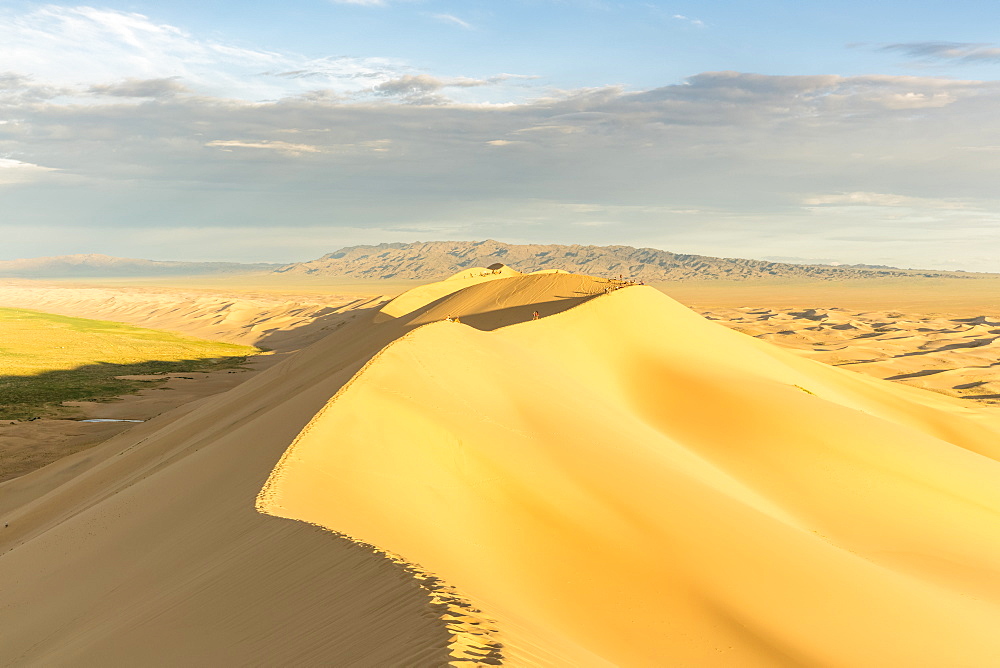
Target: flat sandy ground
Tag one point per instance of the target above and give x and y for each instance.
(29, 445)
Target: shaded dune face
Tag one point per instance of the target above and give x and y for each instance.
(147, 550)
(626, 483)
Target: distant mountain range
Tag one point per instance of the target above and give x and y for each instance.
(438, 259)
(101, 266)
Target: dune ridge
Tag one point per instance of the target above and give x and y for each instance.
(627, 483)
(234, 317)
(181, 568)
(422, 295)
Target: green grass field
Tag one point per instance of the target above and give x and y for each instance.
(46, 359)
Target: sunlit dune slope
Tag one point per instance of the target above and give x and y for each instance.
(628, 484)
(493, 303)
(420, 296)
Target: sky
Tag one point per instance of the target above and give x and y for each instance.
(850, 132)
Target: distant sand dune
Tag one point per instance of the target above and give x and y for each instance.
(629, 484)
(272, 320)
(944, 353)
(422, 295)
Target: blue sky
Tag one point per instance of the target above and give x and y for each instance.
(848, 131)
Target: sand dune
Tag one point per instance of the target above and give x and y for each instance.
(147, 550)
(179, 566)
(951, 354)
(423, 295)
(628, 484)
(621, 482)
(279, 321)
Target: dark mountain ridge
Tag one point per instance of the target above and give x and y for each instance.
(438, 259)
(434, 260)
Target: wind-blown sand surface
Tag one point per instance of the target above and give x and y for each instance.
(953, 355)
(939, 335)
(29, 445)
(629, 484)
(621, 482)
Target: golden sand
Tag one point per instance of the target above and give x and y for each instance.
(629, 484)
(619, 483)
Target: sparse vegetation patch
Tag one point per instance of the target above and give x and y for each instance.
(46, 359)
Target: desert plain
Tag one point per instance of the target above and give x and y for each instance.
(424, 473)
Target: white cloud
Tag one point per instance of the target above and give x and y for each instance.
(956, 52)
(146, 88)
(911, 100)
(74, 45)
(269, 145)
(454, 20)
(427, 89)
(74, 49)
(378, 145)
(725, 163)
(74, 54)
(14, 171)
(551, 129)
(294, 150)
(884, 200)
(698, 23)
(410, 84)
